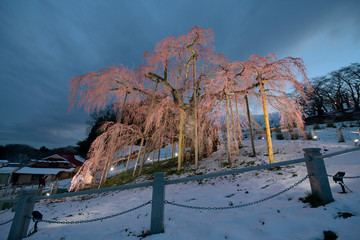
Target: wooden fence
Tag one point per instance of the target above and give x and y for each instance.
(339, 132)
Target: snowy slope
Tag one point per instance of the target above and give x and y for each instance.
(283, 217)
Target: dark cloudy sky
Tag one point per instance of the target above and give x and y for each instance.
(45, 43)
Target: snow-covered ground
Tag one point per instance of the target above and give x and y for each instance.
(282, 217)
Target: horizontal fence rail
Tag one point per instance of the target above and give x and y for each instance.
(334, 131)
(341, 152)
(93, 191)
(180, 180)
(235, 171)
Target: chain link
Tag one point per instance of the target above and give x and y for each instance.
(344, 176)
(92, 220)
(240, 205)
(6, 222)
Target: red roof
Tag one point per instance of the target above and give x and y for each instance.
(64, 156)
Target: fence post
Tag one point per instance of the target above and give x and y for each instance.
(313, 135)
(287, 135)
(55, 188)
(318, 177)
(51, 188)
(340, 135)
(157, 208)
(25, 207)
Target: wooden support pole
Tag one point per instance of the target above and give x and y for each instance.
(196, 140)
(180, 140)
(340, 135)
(228, 138)
(238, 120)
(267, 124)
(250, 126)
(152, 158)
(138, 156)
(183, 149)
(234, 127)
(128, 160)
(173, 149)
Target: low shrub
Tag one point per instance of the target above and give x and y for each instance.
(279, 136)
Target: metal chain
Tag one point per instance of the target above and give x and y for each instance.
(92, 220)
(240, 205)
(6, 222)
(344, 176)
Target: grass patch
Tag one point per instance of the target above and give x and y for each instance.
(224, 164)
(168, 166)
(313, 199)
(330, 235)
(274, 169)
(144, 234)
(279, 136)
(61, 190)
(344, 215)
(6, 206)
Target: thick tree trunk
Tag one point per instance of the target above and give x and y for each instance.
(153, 155)
(122, 108)
(128, 160)
(104, 173)
(159, 154)
(138, 157)
(183, 149)
(145, 130)
(145, 156)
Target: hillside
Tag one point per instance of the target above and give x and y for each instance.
(282, 217)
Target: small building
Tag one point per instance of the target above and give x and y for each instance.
(3, 163)
(55, 167)
(6, 174)
(31, 175)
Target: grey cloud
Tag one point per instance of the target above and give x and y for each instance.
(44, 44)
